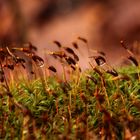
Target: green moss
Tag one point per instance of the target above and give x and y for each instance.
(58, 109)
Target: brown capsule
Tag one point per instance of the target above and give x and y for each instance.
(23, 65)
(38, 60)
(99, 60)
(32, 47)
(102, 53)
(20, 60)
(70, 60)
(32, 72)
(10, 66)
(112, 72)
(73, 67)
(76, 57)
(57, 43)
(98, 71)
(75, 45)
(134, 60)
(92, 79)
(52, 68)
(69, 50)
(83, 39)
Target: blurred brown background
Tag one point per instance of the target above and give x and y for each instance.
(103, 23)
